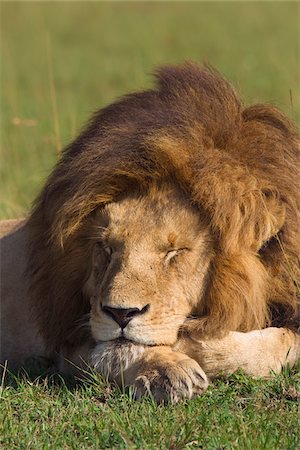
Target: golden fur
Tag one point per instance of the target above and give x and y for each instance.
(196, 199)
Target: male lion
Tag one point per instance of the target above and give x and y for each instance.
(164, 248)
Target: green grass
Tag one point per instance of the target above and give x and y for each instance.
(237, 413)
(62, 61)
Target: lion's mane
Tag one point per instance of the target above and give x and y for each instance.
(239, 165)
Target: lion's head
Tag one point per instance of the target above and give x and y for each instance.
(176, 209)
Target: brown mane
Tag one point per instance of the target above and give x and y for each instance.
(241, 166)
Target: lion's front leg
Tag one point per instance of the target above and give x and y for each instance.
(165, 374)
(258, 353)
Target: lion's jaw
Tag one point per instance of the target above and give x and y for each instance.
(153, 254)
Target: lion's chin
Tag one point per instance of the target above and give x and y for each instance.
(147, 337)
(123, 343)
(113, 358)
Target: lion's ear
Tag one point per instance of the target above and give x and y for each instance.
(259, 215)
(243, 212)
(271, 221)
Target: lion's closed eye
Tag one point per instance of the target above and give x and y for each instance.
(108, 250)
(101, 258)
(172, 254)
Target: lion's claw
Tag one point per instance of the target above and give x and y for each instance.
(171, 383)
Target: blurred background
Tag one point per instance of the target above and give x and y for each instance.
(60, 61)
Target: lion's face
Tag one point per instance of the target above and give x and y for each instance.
(149, 267)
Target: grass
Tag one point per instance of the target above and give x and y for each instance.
(235, 413)
(62, 61)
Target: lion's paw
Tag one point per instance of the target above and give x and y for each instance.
(171, 382)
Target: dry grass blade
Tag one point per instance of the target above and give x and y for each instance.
(3, 379)
(53, 97)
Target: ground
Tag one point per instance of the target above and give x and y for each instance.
(62, 62)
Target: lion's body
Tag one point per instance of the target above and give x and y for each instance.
(20, 338)
(182, 208)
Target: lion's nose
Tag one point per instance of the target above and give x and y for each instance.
(124, 315)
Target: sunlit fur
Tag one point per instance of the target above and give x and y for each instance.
(238, 168)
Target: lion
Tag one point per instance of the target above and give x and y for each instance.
(164, 247)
